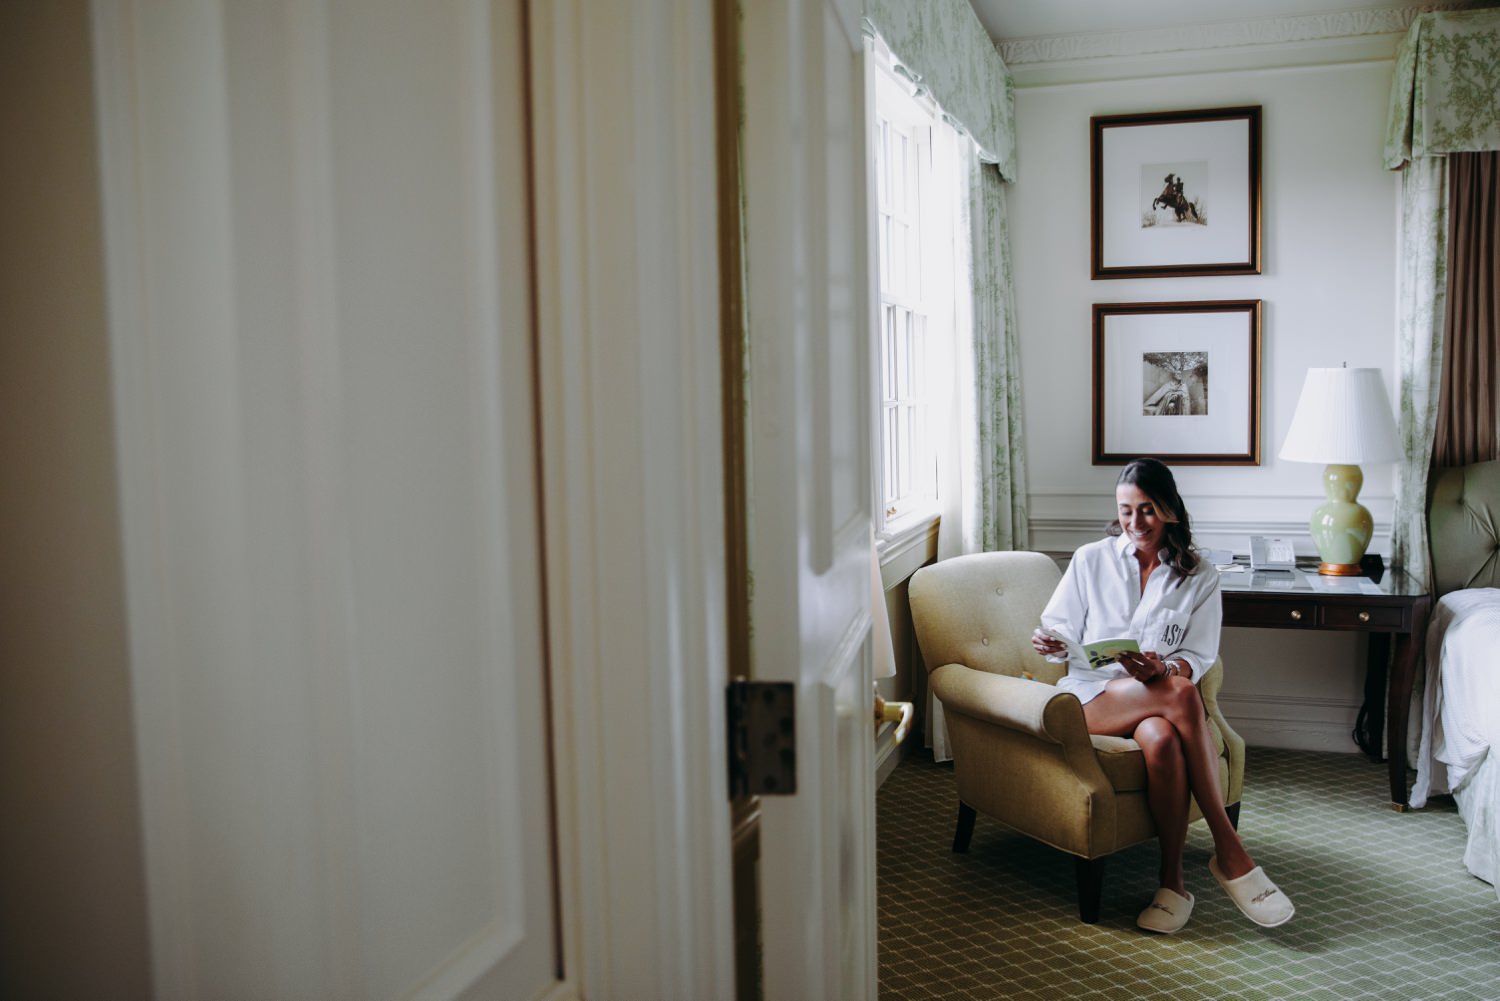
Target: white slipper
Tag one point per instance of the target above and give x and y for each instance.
(1167, 912)
(1255, 895)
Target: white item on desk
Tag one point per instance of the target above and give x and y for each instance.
(1271, 554)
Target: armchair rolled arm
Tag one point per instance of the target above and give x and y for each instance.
(1016, 703)
(1022, 754)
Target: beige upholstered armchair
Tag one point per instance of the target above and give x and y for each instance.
(1021, 751)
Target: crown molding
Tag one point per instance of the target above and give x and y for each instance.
(1218, 35)
(1061, 522)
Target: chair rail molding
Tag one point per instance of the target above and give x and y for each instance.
(1061, 522)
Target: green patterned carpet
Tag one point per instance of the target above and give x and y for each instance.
(1385, 908)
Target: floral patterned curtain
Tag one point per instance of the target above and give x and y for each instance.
(1446, 94)
(1445, 98)
(997, 513)
(1422, 287)
(945, 51)
(941, 46)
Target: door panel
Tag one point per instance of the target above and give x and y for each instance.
(316, 219)
(807, 304)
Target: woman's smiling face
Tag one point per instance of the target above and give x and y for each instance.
(1139, 518)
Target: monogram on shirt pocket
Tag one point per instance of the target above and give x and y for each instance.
(1171, 630)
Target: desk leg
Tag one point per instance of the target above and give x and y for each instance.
(1403, 673)
(1369, 728)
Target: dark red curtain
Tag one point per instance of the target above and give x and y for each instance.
(1467, 414)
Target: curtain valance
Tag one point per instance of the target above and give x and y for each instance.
(943, 48)
(1445, 97)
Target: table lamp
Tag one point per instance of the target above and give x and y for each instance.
(1343, 418)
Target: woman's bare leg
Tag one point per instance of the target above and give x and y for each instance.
(1166, 795)
(1125, 703)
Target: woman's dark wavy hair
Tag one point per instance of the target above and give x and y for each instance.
(1155, 481)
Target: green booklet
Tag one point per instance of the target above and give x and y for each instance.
(1099, 653)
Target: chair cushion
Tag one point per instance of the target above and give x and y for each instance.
(1124, 764)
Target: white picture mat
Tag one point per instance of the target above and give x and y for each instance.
(1224, 430)
(1224, 145)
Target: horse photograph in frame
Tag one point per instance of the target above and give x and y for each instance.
(1175, 193)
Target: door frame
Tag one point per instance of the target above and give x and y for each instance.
(626, 245)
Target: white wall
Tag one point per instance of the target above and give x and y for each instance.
(1328, 289)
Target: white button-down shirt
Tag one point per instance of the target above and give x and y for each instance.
(1100, 596)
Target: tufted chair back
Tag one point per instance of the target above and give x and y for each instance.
(979, 610)
(1463, 525)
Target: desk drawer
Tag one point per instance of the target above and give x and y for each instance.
(1277, 614)
(1363, 617)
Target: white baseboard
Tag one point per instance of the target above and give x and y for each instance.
(1292, 724)
(1296, 736)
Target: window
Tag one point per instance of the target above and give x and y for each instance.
(914, 215)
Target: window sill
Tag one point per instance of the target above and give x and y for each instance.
(905, 545)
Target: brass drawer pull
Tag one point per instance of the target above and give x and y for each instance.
(1364, 616)
(1296, 615)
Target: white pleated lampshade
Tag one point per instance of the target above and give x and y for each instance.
(1343, 416)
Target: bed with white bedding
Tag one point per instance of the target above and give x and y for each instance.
(1461, 720)
(1459, 750)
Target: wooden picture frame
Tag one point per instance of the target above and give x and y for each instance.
(1179, 381)
(1175, 193)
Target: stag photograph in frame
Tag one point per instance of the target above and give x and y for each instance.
(1177, 380)
(1175, 193)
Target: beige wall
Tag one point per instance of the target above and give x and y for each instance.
(72, 914)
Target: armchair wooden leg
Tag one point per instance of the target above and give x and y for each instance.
(1090, 872)
(1234, 815)
(965, 829)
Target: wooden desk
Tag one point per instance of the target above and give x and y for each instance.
(1392, 607)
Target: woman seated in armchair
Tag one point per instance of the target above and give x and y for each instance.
(1147, 581)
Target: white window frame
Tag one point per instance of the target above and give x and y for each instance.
(927, 296)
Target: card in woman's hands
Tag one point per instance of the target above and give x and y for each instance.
(1099, 653)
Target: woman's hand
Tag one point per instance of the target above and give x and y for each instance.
(1047, 645)
(1145, 666)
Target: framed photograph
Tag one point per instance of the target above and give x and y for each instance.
(1176, 193)
(1179, 381)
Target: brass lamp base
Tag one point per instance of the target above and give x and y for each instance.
(1341, 569)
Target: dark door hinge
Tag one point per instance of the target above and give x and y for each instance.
(762, 737)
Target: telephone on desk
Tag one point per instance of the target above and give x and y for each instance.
(1271, 554)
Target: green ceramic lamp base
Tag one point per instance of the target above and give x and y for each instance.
(1341, 526)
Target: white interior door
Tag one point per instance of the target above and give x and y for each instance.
(321, 333)
(808, 305)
